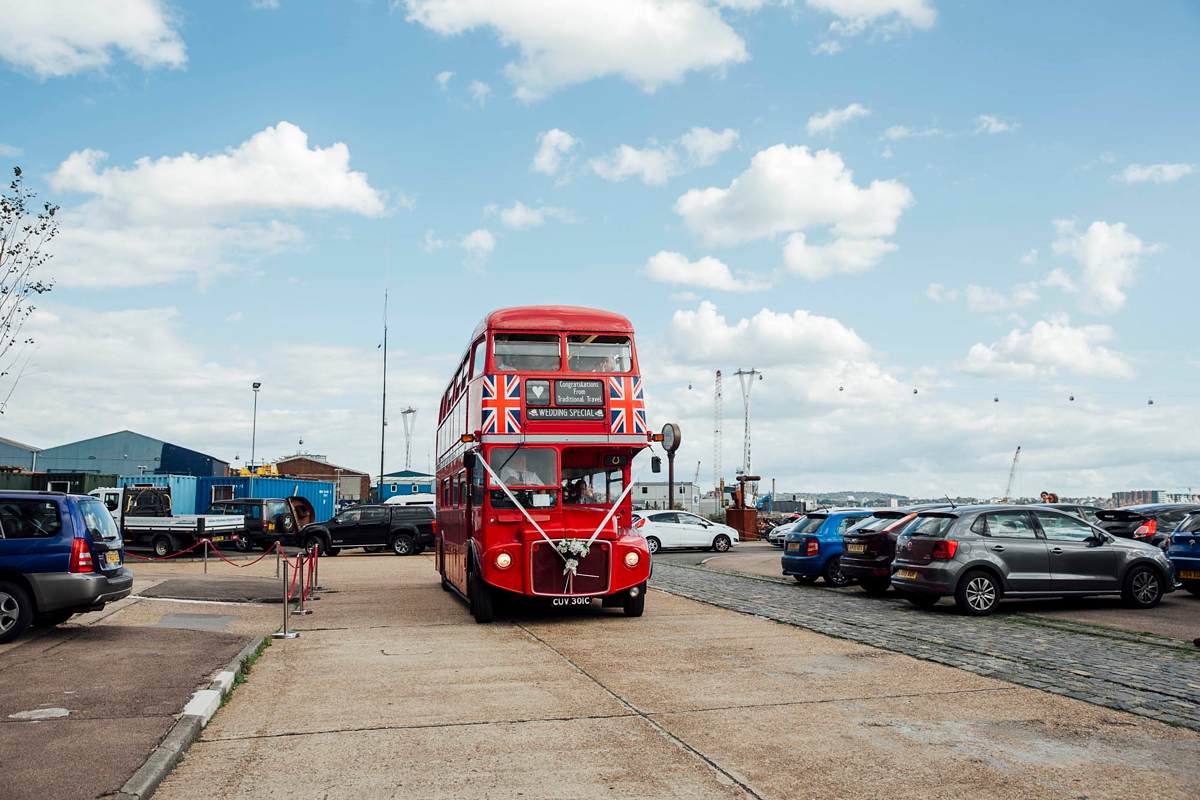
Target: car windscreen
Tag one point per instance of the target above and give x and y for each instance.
(98, 521)
(876, 522)
(930, 525)
(810, 523)
(1189, 525)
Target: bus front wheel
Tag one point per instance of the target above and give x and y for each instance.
(635, 601)
(481, 599)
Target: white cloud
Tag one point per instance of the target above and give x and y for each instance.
(443, 79)
(431, 244)
(986, 299)
(479, 245)
(857, 13)
(1050, 346)
(991, 125)
(655, 164)
(706, 273)
(938, 294)
(1157, 173)
(553, 146)
(8, 151)
(703, 336)
(480, 92)
(897, 132)
(647, 42)
(271, 4)
(65, 37)
(1031, 257)
(521, 217)
(790, 189)
(1110, 256)
(829, 48)
(834, 118)
(164, 219)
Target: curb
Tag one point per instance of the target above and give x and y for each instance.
(196, 714)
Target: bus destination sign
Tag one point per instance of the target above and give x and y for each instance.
(579, 393)
(564, 413)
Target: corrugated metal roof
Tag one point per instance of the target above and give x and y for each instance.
(12, 443)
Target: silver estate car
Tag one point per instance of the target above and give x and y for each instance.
(980, 554)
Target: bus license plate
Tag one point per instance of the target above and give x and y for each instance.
(571, 601)
(856, 548)
(1188, 575)
(112, 557)
(907, 574)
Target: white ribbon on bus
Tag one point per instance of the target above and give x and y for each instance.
(481, 460)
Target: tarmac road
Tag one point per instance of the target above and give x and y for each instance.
(1178, 616)
(393, 691)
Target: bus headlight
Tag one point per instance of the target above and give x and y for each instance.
(503, 560)
(632, 559)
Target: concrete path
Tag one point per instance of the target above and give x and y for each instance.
(392, 691)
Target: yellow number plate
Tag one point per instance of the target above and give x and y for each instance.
(909, 574)
(217, 539)
(856, 548)
(793, 545)
(1189, 575)
(113, 557)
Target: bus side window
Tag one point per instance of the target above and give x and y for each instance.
(477, 361)
(453, 493)
(462, 488)
(477, 486)
(445, 501)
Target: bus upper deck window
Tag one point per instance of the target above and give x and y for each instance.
(591, 353)
(526, 352)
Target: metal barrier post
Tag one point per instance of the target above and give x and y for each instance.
(300, 566)
(285, 634)
(278, 552)
(205, 548)
(312, 584)
(317, 571)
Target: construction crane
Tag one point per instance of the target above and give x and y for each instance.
(1012, 475)
(718, 415)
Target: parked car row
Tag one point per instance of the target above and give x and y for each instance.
(981, 554)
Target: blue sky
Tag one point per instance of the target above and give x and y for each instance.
(859, 197)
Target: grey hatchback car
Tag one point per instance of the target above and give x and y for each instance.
(980, 554)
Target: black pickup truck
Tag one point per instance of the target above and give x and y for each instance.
(404, 530)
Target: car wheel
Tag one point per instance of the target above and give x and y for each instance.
(806, 578)
(242, 544)
(16, 611)
(833, 573)
(634, 606)
(287, 522)
(373, 549)
(51, 620)
(402, 545)
(481, 599)
(1192, 588)
(1143, 587)
(875, 586)
(653, 544)
(721, 544)
(317, 542)
(922, 600)
(162, 546)
(978, 594)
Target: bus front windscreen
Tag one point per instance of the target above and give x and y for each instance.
(597, 486)
(531, 473)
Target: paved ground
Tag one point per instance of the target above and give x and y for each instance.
(1177, 617)
(392, 691)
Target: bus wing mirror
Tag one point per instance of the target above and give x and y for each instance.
(655, 464)
(469, 461)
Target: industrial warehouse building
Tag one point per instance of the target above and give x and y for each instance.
(121, 453)
(351, 484)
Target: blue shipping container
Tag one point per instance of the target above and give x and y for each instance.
(183, 489)
(319, 493)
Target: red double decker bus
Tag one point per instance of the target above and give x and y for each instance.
(536, 435)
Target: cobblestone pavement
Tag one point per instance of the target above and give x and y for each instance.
(1146, 675)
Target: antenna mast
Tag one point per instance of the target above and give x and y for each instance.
(718, 415)
(1012, 474)
(746, 378)
(409, 416)
(383, 427)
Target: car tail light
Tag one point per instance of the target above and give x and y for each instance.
(812, 547)
(641, 521)
(944, 549)
(433, 526)
(81, 557)
(1146, 529)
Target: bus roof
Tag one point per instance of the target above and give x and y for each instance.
(554, 318)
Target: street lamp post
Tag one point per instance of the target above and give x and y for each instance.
(254, 425)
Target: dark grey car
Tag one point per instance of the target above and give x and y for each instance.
(980, 554)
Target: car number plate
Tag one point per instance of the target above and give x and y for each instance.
(909, 574)
(856, 548)
(793, 545)
(217, 539)
(112, 557)
(1189, 575)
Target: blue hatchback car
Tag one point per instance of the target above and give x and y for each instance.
(60, 555)
(813, 548)
(1184, 553)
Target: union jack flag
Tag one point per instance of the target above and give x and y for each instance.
(627, 405)
(502, 410)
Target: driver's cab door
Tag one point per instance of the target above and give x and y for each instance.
(343, 529)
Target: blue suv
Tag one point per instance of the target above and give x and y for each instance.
(813, 548)
(60, 555)
(1184, 553)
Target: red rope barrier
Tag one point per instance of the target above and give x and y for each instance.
(171, 555)
(292, 590)
(252, 563)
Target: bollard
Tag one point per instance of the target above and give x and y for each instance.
(284, 634)
(317, 571)
(278, 551)
(300, 567)
(312, 575)
(205, 555)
